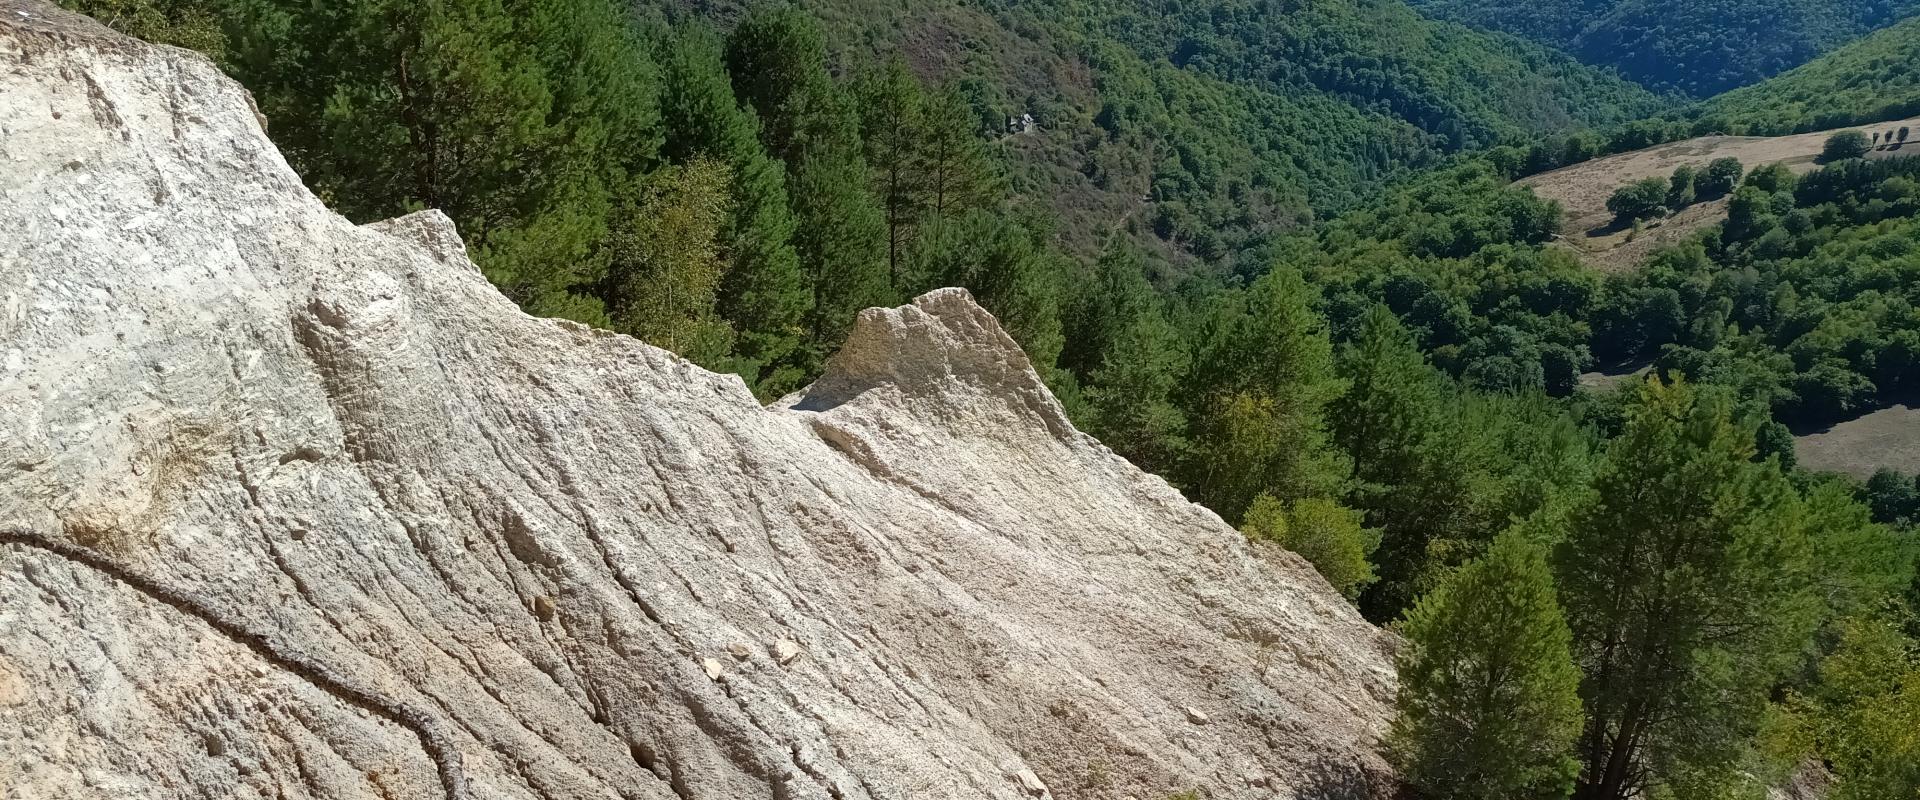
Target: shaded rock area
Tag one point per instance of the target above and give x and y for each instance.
(304, 509)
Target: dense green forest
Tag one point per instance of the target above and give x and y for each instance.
(1201, 128)
(1874, 79)
(1698, 48)
(1337, 323)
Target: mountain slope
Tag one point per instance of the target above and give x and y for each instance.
(305, 509)
(1871, 80)
(1205, 126)
(1695, 47)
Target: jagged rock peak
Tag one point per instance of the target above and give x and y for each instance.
(305, 509)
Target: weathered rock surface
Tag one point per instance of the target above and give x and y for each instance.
(307, 509)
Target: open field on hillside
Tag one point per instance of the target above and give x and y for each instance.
(1889, 437)
(1583, 188)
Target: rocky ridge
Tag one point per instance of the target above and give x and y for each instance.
(298, 508)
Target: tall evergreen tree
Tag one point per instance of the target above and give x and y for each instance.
(959, 174)
(522, 119)
(892, 124)
(1262, 381)
(1009, 267)
(842, 232)
(777, 58)
(1133, 361)
(1391, 421)
(1685, 579)
(1489, 696)
(764, 293)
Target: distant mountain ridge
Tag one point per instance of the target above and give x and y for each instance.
(1872, 80)
(1698, 48)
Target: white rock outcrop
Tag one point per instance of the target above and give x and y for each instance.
(298, 508)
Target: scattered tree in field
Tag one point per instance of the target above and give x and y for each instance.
(1903, 133)
(1685, 579)
(1892, 497)
(1642, 199)
(1845, 145)
(1323, 532)
(1489, 696)
(1718, 179)
(1680, 189)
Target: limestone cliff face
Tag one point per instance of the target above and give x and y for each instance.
(299, 508)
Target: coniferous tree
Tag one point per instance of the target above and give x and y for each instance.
(1407, 476)
(1134, 361)
(1685, 579)
(777, 59)
(959, 174)
(521, 120)
(892, 124)
(1489, 696)
(1007, 264)
(842, 229)
(1262, 383)
(764, 293)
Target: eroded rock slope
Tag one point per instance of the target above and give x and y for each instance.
(300, 508)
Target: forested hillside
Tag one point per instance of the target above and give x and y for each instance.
(1230, 120)
(1254, 248)
(1695, 47)
(1874, 79)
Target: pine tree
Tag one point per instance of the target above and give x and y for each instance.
(1407, 474)
(892, 122)
(959, 173)
(1130, 394)
(842, 230)
(1685, 579)
(1263, 379)
(1132, 360)
(1010, 269)
(764, 293)
(777, 58)
(1489, 703)
(522, 119)
(1114, 295)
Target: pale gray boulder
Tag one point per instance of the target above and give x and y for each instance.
(308, 509)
